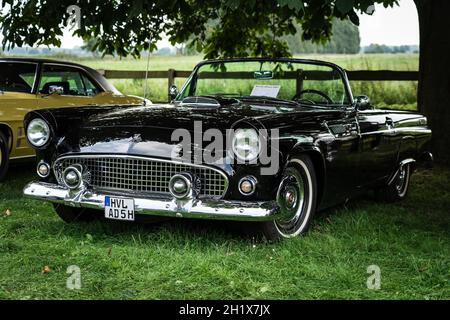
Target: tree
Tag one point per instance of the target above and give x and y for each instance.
(243, 28)
(91, 46)
(378, 48)
(434, 72)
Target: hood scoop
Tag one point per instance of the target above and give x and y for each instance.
(207, 102)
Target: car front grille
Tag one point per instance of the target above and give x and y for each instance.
(139, 174)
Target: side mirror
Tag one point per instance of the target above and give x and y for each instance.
(362, 103)
(173, 92)
(55, 90)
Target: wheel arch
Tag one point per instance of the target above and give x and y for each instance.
(7, 131)
(318, 162)
(407, 151)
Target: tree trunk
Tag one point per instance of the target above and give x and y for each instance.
(434, 69)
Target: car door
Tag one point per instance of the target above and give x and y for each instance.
(77, 88)
(342, 158)
(379, 146)
(17, 81)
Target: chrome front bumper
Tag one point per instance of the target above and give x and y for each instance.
(192, 208)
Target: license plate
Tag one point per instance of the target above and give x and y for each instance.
(119, 208)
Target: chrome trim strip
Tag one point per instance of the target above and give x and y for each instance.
(22, 157)
(190, 104)
(193, 208)
(399, 129)
(117, 156)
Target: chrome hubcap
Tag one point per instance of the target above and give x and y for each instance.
(291, 200)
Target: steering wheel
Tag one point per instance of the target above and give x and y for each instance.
(313, 91)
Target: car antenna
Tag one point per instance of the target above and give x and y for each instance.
(146, 74)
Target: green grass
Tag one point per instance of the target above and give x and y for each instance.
(393, 94)
(181, 259)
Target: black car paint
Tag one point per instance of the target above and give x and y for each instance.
(351, 149)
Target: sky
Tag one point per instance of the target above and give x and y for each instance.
(391, 26)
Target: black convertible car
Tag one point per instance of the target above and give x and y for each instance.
(265, 140)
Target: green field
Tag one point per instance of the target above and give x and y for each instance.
(186, 259)
(391, 94)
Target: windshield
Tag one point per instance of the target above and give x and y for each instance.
(17, 77)
(305, 83)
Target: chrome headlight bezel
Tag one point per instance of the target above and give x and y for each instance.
(246, 144)
(38, 132)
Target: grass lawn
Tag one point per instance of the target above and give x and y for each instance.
(181, 259)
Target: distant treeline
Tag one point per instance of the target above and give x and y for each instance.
(345, 39)
(382, 48)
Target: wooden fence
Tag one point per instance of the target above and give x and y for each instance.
(171, 74)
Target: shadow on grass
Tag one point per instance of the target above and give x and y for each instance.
(420, 211)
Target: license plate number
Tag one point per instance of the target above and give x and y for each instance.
(119, 208)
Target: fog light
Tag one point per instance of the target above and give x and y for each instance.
(72, 177)
(180, 185)
(43, 169)
(247, 185)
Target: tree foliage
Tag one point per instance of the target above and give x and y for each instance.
(242, 27)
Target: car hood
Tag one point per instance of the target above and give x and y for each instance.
(171, 117)
(149, 130)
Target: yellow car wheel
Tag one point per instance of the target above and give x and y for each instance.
(4, 156)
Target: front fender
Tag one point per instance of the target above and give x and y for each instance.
(318, 159)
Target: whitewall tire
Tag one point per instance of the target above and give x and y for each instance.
(296, 197)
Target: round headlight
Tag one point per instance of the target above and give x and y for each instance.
(43, 169)
(38, 132)
(246, 145)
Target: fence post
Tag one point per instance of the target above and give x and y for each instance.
(171, 81)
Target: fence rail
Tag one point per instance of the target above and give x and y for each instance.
(171, 74)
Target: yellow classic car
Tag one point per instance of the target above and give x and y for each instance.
(30, 84)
